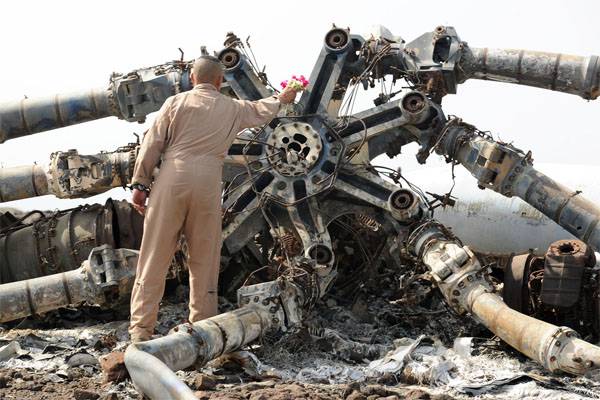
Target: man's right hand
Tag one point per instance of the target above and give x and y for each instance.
(287, 96)
(139, 200)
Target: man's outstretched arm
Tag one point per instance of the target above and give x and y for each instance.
(260, 112)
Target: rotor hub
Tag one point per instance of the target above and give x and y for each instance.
(294, 148)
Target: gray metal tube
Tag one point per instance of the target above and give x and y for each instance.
(556, 348)
(103, 278)
(39, 295)
(507, 170)
(29, 116)
(193, 344)
(22, 182)
(561, 72)
(567, 207)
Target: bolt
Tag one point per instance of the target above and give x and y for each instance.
(275, 320)
(557, 344)
(265, 302)
(281, 185)
(569, 334)
(552, 359)
(577, 359)
(461, 285)
(589, 363)
(273, 309)
(256, 299)
(470, 278)
(176, 329)
(333, 151)
(456, 293)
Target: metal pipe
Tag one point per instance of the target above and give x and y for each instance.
(566, 207)
(463, 282)
(130, 96)
(193, 344)
(29, 116)
(22, 182)
(104, 277)
(561, 72)
(39, 295)
(556, 348)
(510, 172)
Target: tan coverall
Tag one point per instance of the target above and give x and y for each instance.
(192, 133)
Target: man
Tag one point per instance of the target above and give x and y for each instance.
(192, 133)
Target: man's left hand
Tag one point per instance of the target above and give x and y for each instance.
(139, 200)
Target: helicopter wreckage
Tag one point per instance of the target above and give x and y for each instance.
(301, 199)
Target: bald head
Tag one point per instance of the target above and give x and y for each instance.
(207, 69)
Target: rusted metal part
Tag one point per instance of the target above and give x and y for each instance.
(564, 268)
(61, 241)
(561, 72)
(556, 348)
(463, 282)
(507, 170)
(22, 182)
(70, 175)
(105, 278)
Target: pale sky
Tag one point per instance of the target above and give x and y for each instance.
(58, 46)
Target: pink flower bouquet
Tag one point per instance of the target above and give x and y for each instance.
(296, 83)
